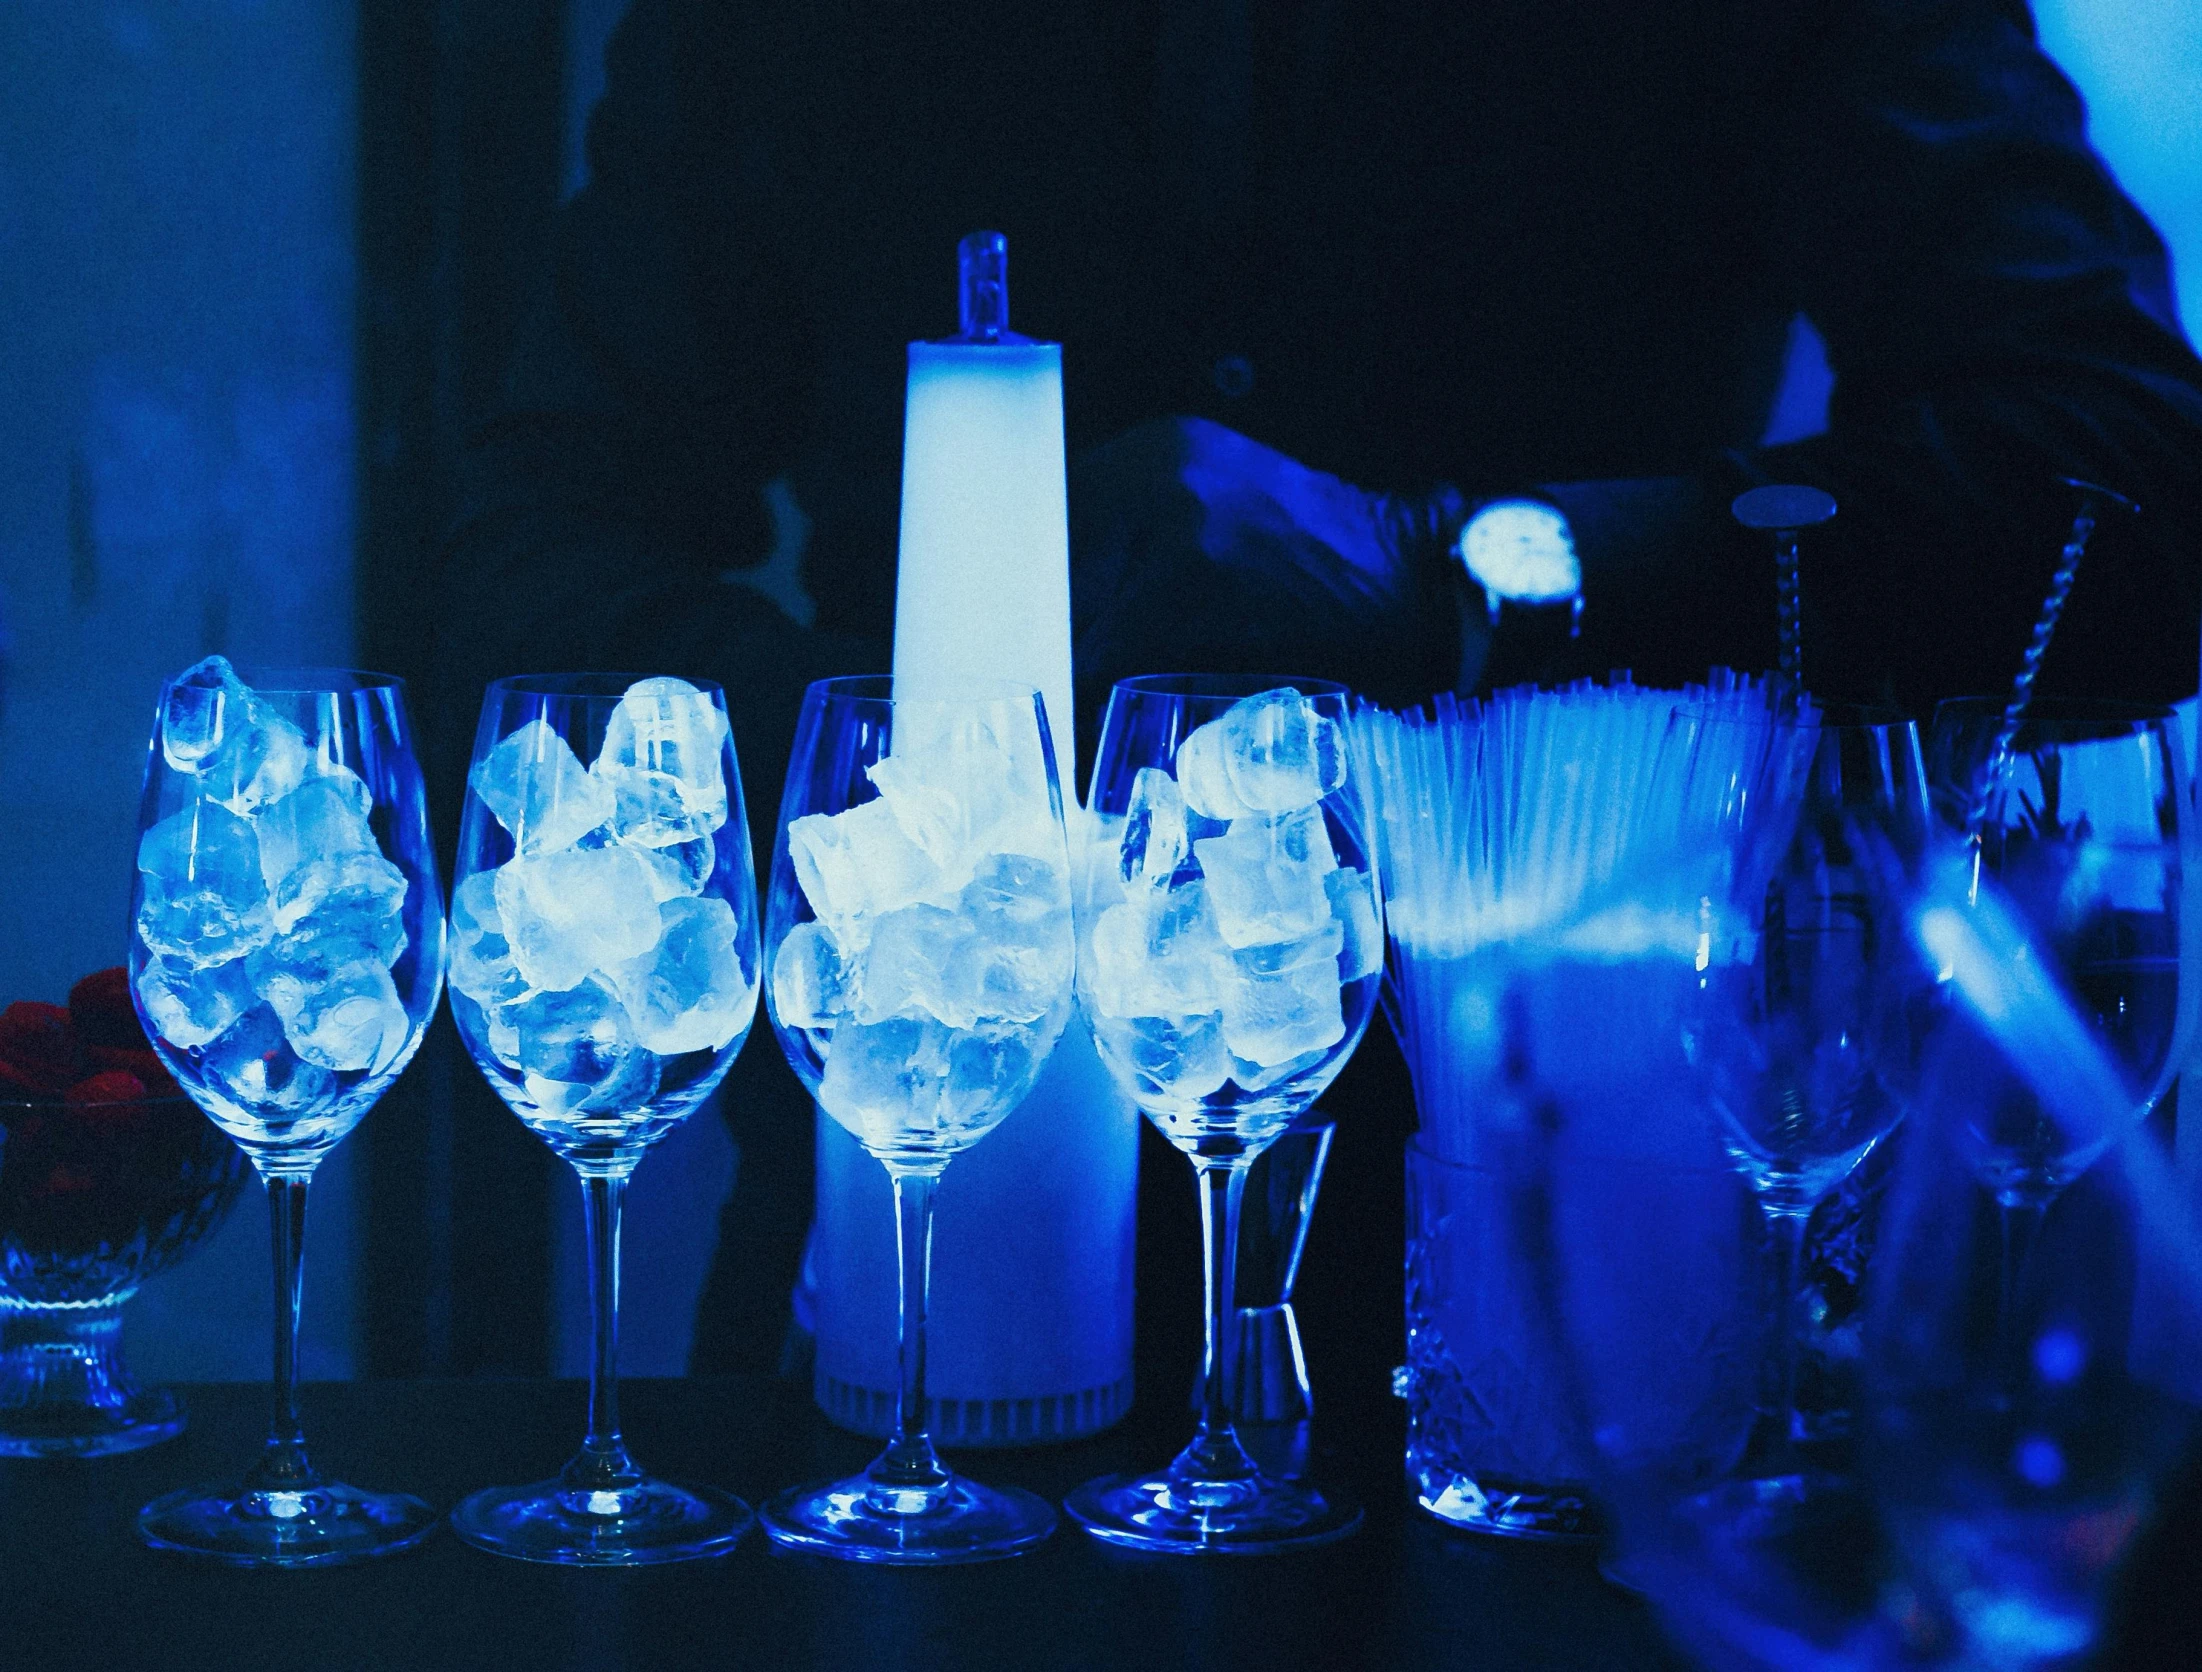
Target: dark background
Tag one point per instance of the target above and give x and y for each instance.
(261, 266)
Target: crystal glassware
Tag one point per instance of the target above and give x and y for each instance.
(96, 1196)
(1802, 1033)
(288, 950)
(2084, 821)
(604, 974)
(920, 944)
(2011, 1448)
(1232, 941)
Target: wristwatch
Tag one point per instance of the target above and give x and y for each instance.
(1520, 553)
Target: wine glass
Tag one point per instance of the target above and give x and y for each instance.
(287, 952)
(1803, 1031)
(920, 945)
(1232, 944)
(2081, 815)
(2006, 1473)
(603, 975)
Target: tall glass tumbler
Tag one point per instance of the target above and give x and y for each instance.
(920, 944)
(1232, 941)
(604, 973)
(287, 952)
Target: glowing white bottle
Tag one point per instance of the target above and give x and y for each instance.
(1029, 1333)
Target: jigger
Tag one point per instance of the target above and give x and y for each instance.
(1271, 1400)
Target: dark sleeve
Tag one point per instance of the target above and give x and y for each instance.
(1997, 314)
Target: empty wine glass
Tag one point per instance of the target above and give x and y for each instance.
(603, 974)
(288, 950)
(1804, 1027)
(2011, 1450)
(2083, 819)
(1232, 947)
(920, 945)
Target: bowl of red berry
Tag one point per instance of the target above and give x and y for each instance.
(108, 1175)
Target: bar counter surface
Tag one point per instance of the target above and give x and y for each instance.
(77, 1589)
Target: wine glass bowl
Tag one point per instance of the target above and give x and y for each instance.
(1231, 949)
(1804, 1029)
(2084, 824)
(920, 947)
(604, 974)
(287, 951)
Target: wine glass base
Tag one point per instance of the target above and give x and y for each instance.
(656, 1521)
(969, 1523)
(54, 1428)
(326, 1526)
(1145, 1512)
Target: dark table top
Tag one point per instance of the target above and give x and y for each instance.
(77, 1588)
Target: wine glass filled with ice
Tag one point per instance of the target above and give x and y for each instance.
(1231, 945)
(604, 974)
(287, 950)
(920, 943)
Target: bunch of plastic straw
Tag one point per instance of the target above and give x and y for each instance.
(1498, 825)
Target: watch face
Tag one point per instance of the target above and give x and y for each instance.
(1520, 551)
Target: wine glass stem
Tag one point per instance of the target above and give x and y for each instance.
(2020, 1223)
(283, 1465)
(603, 1464)
(1215, 1453)
(1785, 1228)
(908, 1474)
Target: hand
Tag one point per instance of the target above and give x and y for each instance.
(1194, 549)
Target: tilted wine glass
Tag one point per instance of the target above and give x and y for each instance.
(1803, 1029)
(604, 973)
(920, 945)
(287, 952)
(1232, 942)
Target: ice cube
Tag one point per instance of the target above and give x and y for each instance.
(1259, 1077)
(188, 1006)
(1204, 778)
(1353, 905)
(1281, 1003)
(681, 868)
(359, 897)
(1158, 954)
(884, 1079)
(195, 710)
(204, 901)
(243, 754)
(1265, 876)
(1176, 1060)
(857, 865)
(968, 783)
(1281, 755)
(576, 910)
(351, 1021)
(482, 966)
(909, 967)
(1155, 842)
(582, 1040)
(539, 790)
(1018, 963)
(990, 1069)
(689, 993)
(254, 1066)
(812, 985)
(324, 816)
(668, 727)
(654, 809)
(932, 815)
